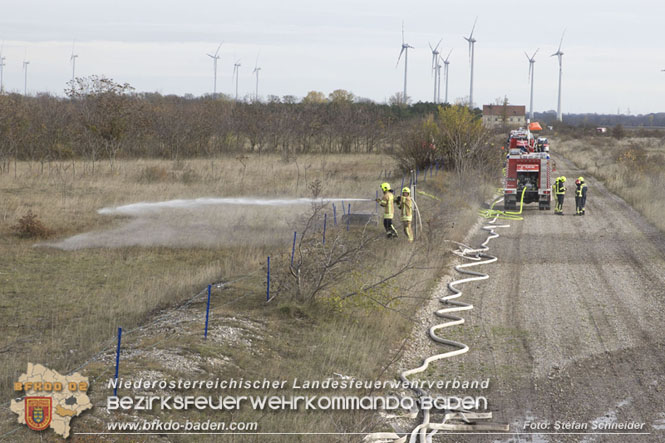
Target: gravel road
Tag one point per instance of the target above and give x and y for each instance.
(569, 326)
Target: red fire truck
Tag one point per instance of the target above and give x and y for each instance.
(528, 165)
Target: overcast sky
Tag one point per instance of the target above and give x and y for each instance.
(614, 50)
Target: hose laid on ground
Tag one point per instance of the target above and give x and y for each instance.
(418, 217)
(426, 429)
(504, 215)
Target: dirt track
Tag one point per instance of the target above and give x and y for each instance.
(569, 327)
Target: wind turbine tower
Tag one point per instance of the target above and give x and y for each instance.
(532, 61)
(405, 51)
(472, 46)
(72, 59)
(256, 72)
(2, 71)
(559, 54)
(436, 69)
(236, 71)
(25, 78)
(445, 73)
(214, 63)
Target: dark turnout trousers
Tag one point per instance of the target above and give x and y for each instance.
(390, 229)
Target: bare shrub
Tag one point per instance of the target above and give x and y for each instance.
(29, 226)
(153, 174)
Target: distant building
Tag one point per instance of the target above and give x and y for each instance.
(508, 115)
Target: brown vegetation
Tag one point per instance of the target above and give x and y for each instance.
(632, 167)
(30, 226)
(104, 120)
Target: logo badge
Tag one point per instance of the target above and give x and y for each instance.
(38, 412)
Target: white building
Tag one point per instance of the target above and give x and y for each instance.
(504, 115)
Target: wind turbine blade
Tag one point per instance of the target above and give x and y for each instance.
(436, 48)
(474, 27)
(534, 54)
(446, 60)
(561, 41)
(430, 46)
(400, 56)
(527, 56)
(217, 51)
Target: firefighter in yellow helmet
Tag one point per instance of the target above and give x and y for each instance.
(559, 193)
(580, 195)
(387, 202)
(405, 204)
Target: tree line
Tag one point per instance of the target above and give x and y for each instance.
(100, 119)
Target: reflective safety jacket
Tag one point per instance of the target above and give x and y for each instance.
(559, 187)
(388, 204)
(581, 190)
(406, 206)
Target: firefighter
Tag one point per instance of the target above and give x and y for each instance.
(389, 209)
(560, 193)
(580, 195)
(405, 204)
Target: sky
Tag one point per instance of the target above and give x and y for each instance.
(614, 51)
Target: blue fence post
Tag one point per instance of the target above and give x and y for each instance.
(416, 182)
(430, 171)
(293, 248)
(348, 217)
(268, 282)
(117, 363)
(343, 208)
(334, 214)
(325, 222)
(205, 334)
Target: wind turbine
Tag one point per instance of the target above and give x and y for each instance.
(214, 61)
(472, 45)
(559, 54)
(405, 51)
(256, 71)
(445, 73)
(2, 69)
(532, 61)
(72, 59)
(436, 68)
(236, 72)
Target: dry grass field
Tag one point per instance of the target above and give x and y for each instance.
(60, 307)
(633, 168)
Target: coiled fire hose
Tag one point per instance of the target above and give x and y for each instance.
(466, 420)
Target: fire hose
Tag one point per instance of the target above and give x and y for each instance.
(454, 420)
